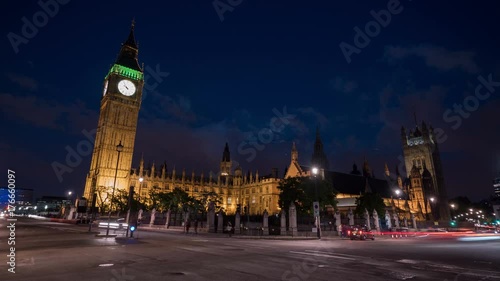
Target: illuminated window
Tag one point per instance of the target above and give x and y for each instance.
(253, 199)
(229, 200)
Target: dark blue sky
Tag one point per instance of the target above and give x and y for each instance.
(227, 76)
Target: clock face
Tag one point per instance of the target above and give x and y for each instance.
(126, 87)
(105, 88)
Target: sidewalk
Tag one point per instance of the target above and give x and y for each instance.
(202, 232)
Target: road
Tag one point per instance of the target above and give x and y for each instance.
(53, 251)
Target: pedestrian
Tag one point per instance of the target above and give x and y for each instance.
(229, 228)
(188, 225)
(195, 226)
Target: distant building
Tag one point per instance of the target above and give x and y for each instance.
(23, 196)
(496, 186)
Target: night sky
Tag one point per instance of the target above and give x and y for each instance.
(229, 74)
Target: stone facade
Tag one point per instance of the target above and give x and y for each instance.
(250, 191)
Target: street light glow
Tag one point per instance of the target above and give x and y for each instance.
(141, 179)
(432, 199)
(315, 171)
(398, 191)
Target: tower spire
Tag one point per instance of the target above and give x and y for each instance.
(295, 153)
(131, 38)
(129, 51)
(226, 156)
(319, 157)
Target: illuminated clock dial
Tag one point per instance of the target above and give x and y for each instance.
(105, 88)
(126, 87)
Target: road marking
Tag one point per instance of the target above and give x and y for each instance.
(199, 240)
(322, 255)
(330, 253)
(25, 262)
(409, 261)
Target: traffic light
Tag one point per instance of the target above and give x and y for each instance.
(453, 223)
(132, 229)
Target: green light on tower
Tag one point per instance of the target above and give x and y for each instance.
(125, 72)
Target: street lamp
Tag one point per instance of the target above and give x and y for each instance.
(398, 192)
(119, 148)
(432, 207)
(318, 223)
(140, 187)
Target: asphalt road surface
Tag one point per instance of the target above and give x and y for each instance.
(53, 251)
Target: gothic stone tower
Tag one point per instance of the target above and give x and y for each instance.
(319, 158)
(421, 150)
(119, 112)
(225, 164)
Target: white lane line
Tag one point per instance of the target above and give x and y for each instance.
(322, 255)
(330, 253)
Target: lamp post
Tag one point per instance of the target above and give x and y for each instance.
(140, 187)
(432, 207)
(398, 192)
(119, 148)
(318, 223)
(454, 207)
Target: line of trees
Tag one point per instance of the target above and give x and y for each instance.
(176, 200)
(303, 191)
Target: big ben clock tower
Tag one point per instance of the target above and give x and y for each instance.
(120, 104)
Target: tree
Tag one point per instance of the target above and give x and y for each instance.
(292, 191)
(153, 201)
(175, 200)
(370, 201)
(102, 196)
(120, 201)
(302, 192)
(208, 197)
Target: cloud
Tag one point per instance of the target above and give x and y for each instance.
(319, 117)
(24, 82)
(342, 85)
(177, 107)
(397, 110)
(437, 57)
(50, 114)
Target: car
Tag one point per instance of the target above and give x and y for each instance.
(361, 233)
(113, 223)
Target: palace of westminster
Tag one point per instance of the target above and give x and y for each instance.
(421, 193)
